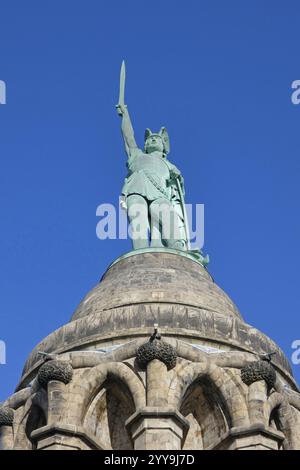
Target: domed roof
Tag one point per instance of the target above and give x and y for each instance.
(147, 287)
(151, 277)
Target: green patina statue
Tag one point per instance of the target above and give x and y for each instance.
(153, 191)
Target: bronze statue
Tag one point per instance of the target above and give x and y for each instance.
(153, 191)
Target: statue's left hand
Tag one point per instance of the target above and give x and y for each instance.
(173, 176)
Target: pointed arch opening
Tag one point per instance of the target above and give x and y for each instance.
(111, 407)
(35, 420)
(205, 408)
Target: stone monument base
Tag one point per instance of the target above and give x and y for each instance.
(113, 379)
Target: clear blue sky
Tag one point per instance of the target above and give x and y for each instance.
(218, 75)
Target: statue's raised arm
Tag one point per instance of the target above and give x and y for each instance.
(127, 129)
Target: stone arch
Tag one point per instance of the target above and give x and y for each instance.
(108, 413)
(112, 393)
(194, 438)
(229, 397)
(36, 419)
(34, 416)
(281, 416)
(203, 407)
(88, 385)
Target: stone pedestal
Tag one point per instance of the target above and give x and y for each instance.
(157, 428)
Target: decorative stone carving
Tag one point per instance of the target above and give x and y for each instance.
(6, 416)
(259, 370)
(155, 348)
(55, 370)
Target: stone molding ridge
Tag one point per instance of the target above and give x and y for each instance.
(255, 429)
(69, 430)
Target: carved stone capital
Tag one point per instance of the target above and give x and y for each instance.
(156, 349)
(61, 371)
(258, 370)
(6, 416)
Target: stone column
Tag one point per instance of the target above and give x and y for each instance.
(57, 402)
(257, 398)
(260, 377)
(157, 428)
(157, 387)
(54, 376)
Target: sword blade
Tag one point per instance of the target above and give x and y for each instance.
(122, 84)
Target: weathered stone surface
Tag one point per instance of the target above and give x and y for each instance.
(217, 409)
(173, 291)
(259, 370)
(55, 370)
(152, 277)
(185, 392)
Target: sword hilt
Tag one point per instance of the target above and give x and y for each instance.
(119, 109)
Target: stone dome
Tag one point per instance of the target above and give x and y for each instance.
(151, 286)
(151, 277)
(155, 357)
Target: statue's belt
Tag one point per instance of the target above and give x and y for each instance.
(156, 184)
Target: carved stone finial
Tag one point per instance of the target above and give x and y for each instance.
(6, 416)
(259, 370)
(156, 348)
(55, 370)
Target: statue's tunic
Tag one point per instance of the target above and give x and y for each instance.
(148, 175)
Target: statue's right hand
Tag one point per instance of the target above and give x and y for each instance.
(121, 109)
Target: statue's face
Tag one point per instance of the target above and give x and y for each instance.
(154, 143)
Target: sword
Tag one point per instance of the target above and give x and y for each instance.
(186, 223)
(122, 90)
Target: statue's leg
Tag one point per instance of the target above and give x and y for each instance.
(155, 224)
(161, 222)
(166, 221)
(137, 211)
